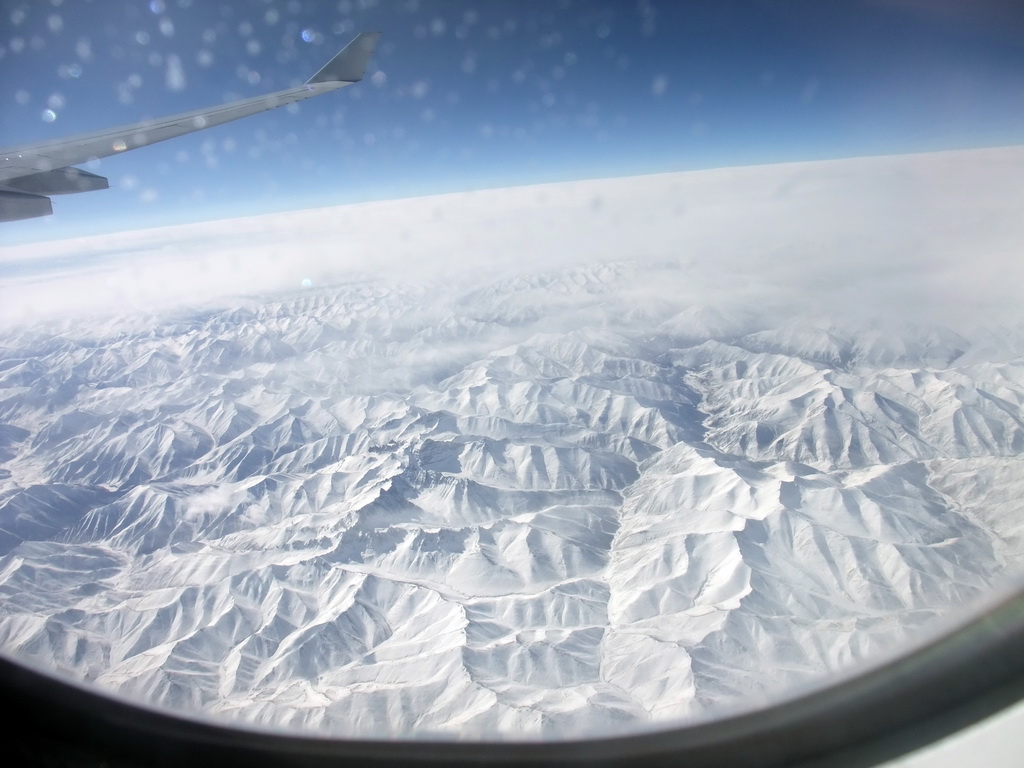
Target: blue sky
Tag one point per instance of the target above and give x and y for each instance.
(466, 95)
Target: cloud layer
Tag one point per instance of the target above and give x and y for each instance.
(905, 238)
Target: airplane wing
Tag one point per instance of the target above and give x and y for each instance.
(30, 173)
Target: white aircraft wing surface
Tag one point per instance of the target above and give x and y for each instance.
(30, 173)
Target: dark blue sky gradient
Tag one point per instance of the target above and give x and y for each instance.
(466, 95)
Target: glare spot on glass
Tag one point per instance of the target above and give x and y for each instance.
(809, 91)
(551, 40)
(437, 27)
(166, 27)
(199, 121)
(56, 101)
(18, 16)
(307, 283)
(204, 58)
(209, 35)
(253, 78)
(253, 47)
(603, 31)
(175, 77)
(271, 17)
(149, 195)
(55, 22)
(311, 36)
(659, 85)
(21, 96)
(157, 7)
(17, 44)
(155, 59)
(378, 78)
(49, 115)
(142, 37)
(83, 49)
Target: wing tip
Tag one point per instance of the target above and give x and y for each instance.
(349, 65)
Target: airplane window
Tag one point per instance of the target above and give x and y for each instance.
(531, 372)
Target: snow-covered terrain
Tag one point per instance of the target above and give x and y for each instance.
(548, 497)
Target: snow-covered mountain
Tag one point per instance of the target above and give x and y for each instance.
(552, 501)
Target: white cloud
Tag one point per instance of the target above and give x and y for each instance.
(915, 237)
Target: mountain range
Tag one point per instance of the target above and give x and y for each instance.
(550, 502)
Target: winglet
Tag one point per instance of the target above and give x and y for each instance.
(349, 65)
